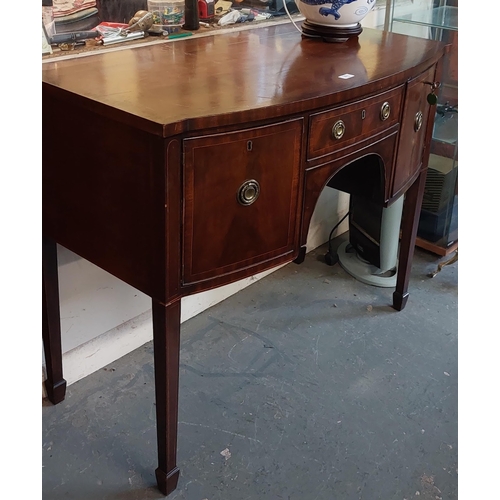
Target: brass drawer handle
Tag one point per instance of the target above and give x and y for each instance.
(338, 129)
(385, 111)
(249, 192)
(417, 125)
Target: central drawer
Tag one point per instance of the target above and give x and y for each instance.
(240, 199)
(338, 128)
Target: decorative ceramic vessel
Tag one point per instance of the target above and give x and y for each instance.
(335, 13)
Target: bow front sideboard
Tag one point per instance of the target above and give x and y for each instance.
(182, 166)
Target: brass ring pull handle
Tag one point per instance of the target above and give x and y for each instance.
(385, 111)
(249, 192)
(419, 118)
(338, 129)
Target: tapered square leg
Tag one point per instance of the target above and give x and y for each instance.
(166, 342)
(409, 226)
(55, 385)
(167, 482)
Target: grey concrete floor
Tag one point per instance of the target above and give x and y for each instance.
(306, 385)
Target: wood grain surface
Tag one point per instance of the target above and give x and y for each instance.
(250, 75)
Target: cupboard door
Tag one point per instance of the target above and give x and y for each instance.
(413, 131)
(241, 194)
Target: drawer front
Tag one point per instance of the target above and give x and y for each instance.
(240, 199)
(338, 128)
(413, 131)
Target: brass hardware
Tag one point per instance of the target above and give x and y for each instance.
(249, 192)
(417, 125)
(385, 111)
(338, 129)
(66, 46)
(432, 97)
(434, 85)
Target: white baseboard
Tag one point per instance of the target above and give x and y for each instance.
(102, 350)
(92, 299)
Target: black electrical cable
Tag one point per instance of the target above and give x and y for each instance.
(329, 257)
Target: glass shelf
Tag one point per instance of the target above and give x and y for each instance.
(446, 127)
(437, 17)
(438, 223)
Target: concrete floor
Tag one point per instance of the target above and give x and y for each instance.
(315, 387)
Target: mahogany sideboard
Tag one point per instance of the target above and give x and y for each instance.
(183, 166)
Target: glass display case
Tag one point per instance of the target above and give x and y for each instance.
(437, 20)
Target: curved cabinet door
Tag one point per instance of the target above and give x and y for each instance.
(413, 130)
(241, 193)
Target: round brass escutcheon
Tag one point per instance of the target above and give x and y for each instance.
(385, 111)
(249, 192)
(418, 121)
(338, 129)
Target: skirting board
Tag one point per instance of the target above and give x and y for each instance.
(115, 343)
(126, 337)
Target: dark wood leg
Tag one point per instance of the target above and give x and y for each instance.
(55, 385)
(166, 342)
(409, 226)
(302, 255)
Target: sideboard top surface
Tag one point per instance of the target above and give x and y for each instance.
(249, 75)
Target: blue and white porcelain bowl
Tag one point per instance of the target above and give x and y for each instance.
(335, 13)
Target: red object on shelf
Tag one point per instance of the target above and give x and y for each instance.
(206, 9)
(106, 29)
(112, 25)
